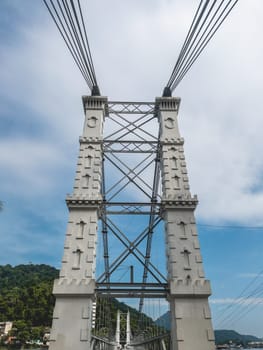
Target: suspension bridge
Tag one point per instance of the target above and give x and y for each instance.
(131, 206)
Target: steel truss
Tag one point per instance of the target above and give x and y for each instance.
(131, 151)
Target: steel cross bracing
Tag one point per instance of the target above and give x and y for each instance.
(131, 158)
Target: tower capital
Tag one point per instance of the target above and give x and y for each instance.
(168, 103)
(94, 102)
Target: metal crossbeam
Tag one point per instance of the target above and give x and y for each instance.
(130, 107)
(129, 146)
(132, 290)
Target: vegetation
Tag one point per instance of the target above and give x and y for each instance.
(225, 336)
(26, 298)
(106, 319)
(25, 293)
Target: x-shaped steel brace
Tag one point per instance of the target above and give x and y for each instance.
(131, 179)
(131, 131)
(131, 247)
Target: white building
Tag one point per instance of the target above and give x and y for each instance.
(5, 327)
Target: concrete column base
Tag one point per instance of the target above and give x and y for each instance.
(191, 326)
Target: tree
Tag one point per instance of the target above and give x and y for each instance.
(21, 330)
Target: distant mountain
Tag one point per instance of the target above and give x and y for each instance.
(222, 336)
(164, 321)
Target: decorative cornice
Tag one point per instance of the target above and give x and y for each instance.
(94, 102)
(179, 141)
(74, 201)
(68, 287)
(179, 201)
(83, 139)
(168, 103)
(197, 288)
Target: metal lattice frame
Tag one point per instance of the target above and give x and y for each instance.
(133, 132)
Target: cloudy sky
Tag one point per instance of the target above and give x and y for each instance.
(135, 44)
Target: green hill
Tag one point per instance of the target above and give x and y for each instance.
(223, 336)
(26, 299)
(26, 293)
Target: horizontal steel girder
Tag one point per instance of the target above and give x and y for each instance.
(133, 290)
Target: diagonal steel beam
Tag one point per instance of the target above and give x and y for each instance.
(139, 126)
(156, 180)
(131, 131)
(118, 261)
(135, 248)
(123, 127)
(133, 172)
(130, 178)
(122, 239)
(125, 176)
(131, 107)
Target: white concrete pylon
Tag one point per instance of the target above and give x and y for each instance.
(191, 326)
(75, 288)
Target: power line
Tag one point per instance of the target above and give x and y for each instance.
(69, 20)
(208, 18)
(241, 298)
(244, 305)
(232, 226)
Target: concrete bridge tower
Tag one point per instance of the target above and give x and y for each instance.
(187, 290)
(75, 288)
(191, 327)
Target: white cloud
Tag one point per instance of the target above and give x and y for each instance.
(29, 166)
(134, 46)
(221, 120)
(32, 76)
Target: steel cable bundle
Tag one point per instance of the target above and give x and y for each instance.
(68, 17)
(208, 18)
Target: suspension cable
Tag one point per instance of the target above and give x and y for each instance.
(208, 18)
(69, 20)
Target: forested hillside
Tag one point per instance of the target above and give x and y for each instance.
(25, 293)
(224, 336)
(26, 299)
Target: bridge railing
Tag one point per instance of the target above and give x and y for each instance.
(98, 343)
